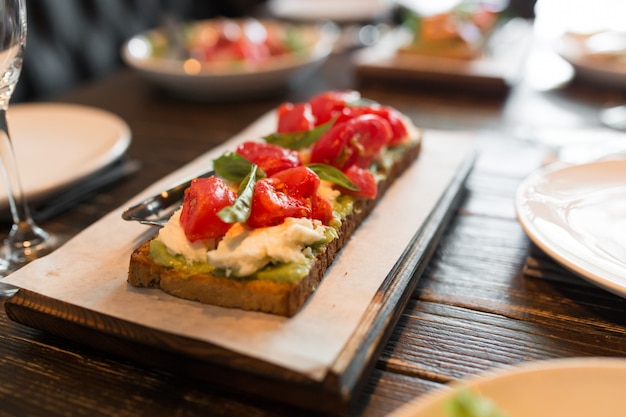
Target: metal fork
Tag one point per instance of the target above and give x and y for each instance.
(156, 210)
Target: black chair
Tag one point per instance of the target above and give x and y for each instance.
(70, 42)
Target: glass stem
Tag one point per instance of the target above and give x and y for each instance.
(25, 236)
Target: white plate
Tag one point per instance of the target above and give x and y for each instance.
(335, 10)
(577, 215)
(593, 67)
(577, 387)
(57, 144)
(220, 82)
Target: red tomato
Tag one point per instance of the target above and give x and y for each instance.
(363, 179)
(329, 104)
(290, 193)
(270, 207)
(391, 115)
(355, 141)
(299, 182)
(295, 118)
(249, 51)
(204, 198)
(321, 209)
(270, 158)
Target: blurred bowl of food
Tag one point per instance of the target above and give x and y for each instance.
(229, 59)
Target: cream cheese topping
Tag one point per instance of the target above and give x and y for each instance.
(244, 251)
(173, 237)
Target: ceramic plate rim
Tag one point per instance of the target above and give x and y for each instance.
(506, 373)
(102, 151)
(592, 273)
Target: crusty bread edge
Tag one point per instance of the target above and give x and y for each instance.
(283, 299)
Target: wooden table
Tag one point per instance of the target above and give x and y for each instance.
(473, 309)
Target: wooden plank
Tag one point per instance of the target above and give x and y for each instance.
(240, 373)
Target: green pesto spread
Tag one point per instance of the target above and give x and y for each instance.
(282, 272)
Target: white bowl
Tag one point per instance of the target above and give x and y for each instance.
(217, 81)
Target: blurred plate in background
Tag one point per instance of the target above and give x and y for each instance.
(57, 144)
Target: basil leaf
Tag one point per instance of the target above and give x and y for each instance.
(239, 211)
(299, 140)
(334, 175)
(234, 167)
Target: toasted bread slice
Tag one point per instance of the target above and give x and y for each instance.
(279, 298)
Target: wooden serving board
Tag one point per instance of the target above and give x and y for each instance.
(494, 72)
(229, 370)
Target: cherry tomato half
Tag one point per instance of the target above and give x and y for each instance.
(356, 141)
(204, 198)
(329, 104)
(391, 115)
(290, 193)
(270, 158)
(295, 118)
(321, 209)
(363, 179)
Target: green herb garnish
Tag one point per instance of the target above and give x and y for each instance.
(234, 167)
(298, 140)
(334, 175)
(240, 210)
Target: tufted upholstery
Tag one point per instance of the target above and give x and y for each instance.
(72, 41)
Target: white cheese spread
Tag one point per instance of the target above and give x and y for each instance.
(244, 251)
(173, 237)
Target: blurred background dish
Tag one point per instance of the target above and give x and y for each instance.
(229, 59)
(579, 387)
(457, 29)
(496, 67)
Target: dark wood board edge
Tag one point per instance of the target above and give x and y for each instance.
(225, 369)
(228, 370)
(368, 74)
(360, 354)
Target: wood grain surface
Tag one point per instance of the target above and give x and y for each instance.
(473, 310)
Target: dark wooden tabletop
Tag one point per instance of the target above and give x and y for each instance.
(474, 309)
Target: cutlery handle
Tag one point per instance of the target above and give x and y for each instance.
(157, 209)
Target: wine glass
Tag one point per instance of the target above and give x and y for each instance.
(26, 241)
